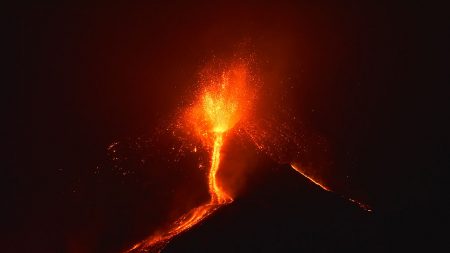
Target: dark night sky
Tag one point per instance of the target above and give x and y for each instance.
(369, 78)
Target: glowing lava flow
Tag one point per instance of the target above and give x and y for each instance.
(223, 103)
(217, 195)
(297, 168)
(363, 206)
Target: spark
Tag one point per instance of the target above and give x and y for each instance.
(361, 205)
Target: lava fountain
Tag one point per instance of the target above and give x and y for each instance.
(224, 100)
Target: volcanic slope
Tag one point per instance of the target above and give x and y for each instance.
(282, 211)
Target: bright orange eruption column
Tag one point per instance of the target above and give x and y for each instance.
(223, 103)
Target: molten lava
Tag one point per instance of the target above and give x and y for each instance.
(297, 168)
(218, 196)
(363, 206)
(224, 101)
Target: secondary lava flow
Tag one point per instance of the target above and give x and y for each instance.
(223, 102)
(363, 206)
(297, 168)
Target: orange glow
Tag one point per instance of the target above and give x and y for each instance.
(224, 101)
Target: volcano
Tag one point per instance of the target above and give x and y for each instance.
(277, 209)
(90, 162)
(279, 214)
(221, 113)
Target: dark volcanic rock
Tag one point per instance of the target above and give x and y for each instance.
(284, 212)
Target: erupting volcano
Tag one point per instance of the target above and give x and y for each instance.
(224, 103)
